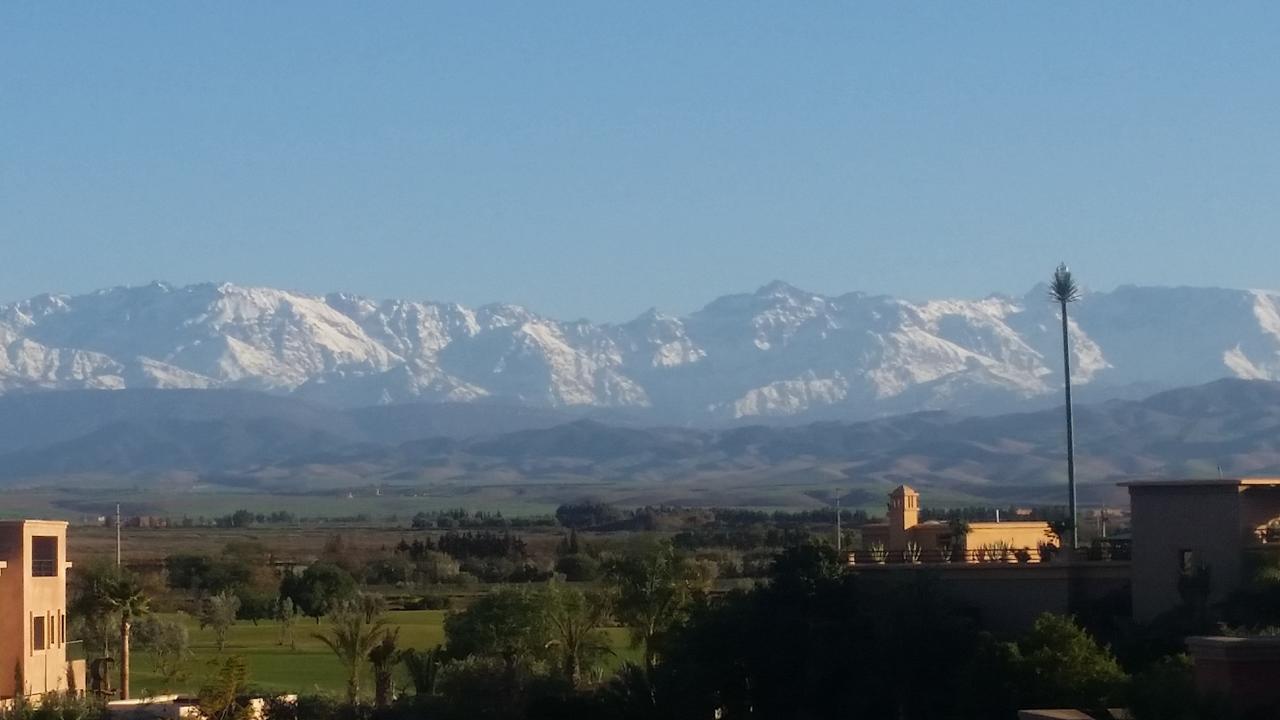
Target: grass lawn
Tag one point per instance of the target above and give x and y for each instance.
(311, 667)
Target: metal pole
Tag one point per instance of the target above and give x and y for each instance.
(839, 538)
(117, 535)
(1071, 440)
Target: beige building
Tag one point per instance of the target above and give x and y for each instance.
(902, 534)
(1182, 527)
(33, 608)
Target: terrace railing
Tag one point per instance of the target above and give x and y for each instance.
(1105, 550)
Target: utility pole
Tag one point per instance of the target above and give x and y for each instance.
(839, 535)
(117, 535)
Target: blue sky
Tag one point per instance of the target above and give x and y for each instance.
(594, 159)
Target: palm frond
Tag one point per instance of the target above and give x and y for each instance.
(1063, 288)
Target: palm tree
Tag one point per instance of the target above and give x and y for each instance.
(351, 636)
(1063, 290)
(384, 657)
(424, 668)
(575, 619)
(125, 595)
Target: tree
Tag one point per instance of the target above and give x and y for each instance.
(168, 642)
(1058, 665)
(384, 657)
(219, 613)
(372, 605)
(651, 592)
(288, 617)
(126, 597)
(90, 607)
(219, 699)
(1064, 291)
(256, 605)
(319, 589)
(351, 636)
(587, 514)
(509, 625)
(820, 646)
(424, 668)
(806, 565)
(575, 619)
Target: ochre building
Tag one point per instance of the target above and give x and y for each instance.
(33, 609)
(904, 538)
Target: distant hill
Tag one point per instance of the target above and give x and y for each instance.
(257, 440)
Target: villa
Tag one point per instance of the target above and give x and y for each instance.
(904, 538)
(33, 624)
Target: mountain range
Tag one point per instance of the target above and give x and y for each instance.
(250, 441)
(779, 354)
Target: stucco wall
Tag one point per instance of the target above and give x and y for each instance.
(21, 598)
(1205, 519)
(1007, 599)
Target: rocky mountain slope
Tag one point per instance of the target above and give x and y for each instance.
(779, 353)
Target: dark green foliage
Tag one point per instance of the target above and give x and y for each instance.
(651, 593)
(508, 624)
(205, 574)
(587, 514)
(818, 646)
(56, 706)
(1165, 691)
(256, 605)
(578, 568)
(423, 667)
(467, 545)
(429, 602)
(222, 696)
(318, 589)
(804, 567)
(1057, 664)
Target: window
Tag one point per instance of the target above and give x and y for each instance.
(62, 628)
(1186, 560)
(44, 556)
(38, 637)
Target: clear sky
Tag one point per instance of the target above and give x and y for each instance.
(595, 158)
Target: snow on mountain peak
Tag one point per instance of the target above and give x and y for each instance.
(778, 351)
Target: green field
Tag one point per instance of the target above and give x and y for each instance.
(311, 668)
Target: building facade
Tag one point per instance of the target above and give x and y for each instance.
(902, 535)
(1189, 531)
(33, 608)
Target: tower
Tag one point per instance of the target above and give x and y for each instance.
(904, 513)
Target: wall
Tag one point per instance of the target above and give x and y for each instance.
(1166, 520)
(23, 596)
(1019, 535)
(1241, 669)
(1008, 598)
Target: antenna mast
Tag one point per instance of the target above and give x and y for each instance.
(117, 535)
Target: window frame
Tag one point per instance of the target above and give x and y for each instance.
(42, 565)
(39, 637)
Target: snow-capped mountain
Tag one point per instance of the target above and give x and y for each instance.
(779, 352)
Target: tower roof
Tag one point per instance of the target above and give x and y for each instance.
(902, 491)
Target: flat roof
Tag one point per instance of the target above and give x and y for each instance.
(1204, 482)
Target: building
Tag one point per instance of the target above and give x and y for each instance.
(1206, 530)
(33, 609)
(902, 537)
